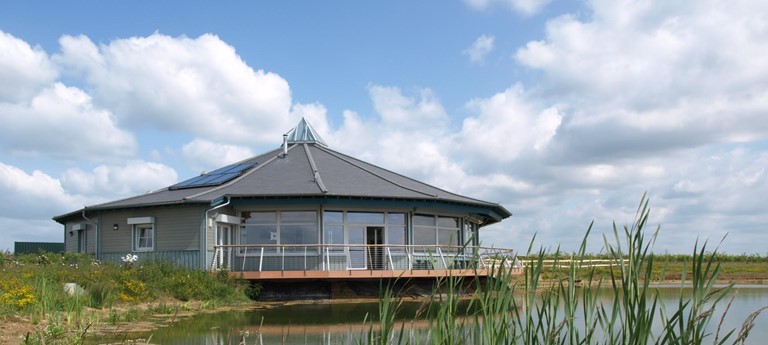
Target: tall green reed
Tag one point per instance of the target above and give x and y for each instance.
(546, 305)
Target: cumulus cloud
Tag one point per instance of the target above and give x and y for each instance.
(524, 7)
(24, 70)
(203, 155)
(507, 125)
(642, 96)
(405, 134)
(179, 84)
(113, 181)
(658, 69)
(482, 46)
(32, 195)
(63, 122)
(395, 109)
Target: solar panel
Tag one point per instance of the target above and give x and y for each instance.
(216, 177)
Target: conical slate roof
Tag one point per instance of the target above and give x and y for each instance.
(309, 170)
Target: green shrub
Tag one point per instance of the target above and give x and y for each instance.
(252, 290)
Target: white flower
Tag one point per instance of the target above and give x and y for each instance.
(130, 258)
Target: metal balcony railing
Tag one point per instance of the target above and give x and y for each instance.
(337, 257)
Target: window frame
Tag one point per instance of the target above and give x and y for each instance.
(346, 226)
(278, 232)
(137, 237)
(435, 229)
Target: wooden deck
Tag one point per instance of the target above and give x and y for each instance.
(363, 274)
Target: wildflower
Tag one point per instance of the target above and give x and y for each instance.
(130, 258)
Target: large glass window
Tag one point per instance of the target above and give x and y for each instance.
(143, 237)
(279, 227)
(365, 217)
(333, 230)
(448, 231)
(435, 230)
(298, 228)
(424, 230)
(349, 227)
(470, 234)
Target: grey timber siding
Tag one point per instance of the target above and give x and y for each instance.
(70, 242)
(176, 228)
(180, 258)
(117, 240)
(90, 235)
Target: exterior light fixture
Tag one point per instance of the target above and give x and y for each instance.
(114, 226)
(71, 233)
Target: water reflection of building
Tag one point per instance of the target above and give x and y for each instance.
(302, 211)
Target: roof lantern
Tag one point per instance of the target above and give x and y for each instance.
(303, 133)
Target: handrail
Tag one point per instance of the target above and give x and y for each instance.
(314, 257)
(442, 246)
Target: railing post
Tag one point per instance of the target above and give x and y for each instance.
(245, 257)
(348, 258)
(305, 258)
(282, 256)
(440, 253)
(261, 259)
(408, 253)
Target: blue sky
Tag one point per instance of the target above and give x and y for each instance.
(563, 111)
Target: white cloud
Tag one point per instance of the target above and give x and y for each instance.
(113, 181)
(507, 126)
(190, 85)
(203, 155)
(681, 69)
(35, 195)
(406, 134)
(63, 122)
(482, 46)
(524, 7)
(24, 70)
(400, 111)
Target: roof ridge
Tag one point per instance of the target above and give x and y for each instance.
(249, 172)
(346, 159)
(315, 172)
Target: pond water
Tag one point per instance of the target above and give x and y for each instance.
(342, 323)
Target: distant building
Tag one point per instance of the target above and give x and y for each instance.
(300, 211)
(36, 247)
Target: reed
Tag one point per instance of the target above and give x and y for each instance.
(547, 305)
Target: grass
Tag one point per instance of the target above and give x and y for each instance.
(32, 288)
(520, 310)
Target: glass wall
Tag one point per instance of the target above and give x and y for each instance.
(349, 227)
(279, 227)
(430, 230)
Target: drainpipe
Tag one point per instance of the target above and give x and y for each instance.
(96, 236)
(205, 235)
